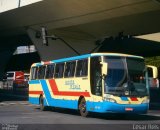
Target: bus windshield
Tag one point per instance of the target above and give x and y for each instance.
(126, 76)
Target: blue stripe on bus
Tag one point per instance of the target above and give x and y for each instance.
(34, 82)
(72, 58)
(73, 104)
(57, 103)
(38, 64)
(46, 91)
(34, 100)
(124, 98)
(109, 107)
(89, 55)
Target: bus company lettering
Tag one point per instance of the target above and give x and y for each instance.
(146, 127)
(72, 84)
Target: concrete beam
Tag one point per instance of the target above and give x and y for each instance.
(57, 49)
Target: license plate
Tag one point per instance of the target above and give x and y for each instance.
(128, 109)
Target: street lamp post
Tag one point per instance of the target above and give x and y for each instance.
(19, 3)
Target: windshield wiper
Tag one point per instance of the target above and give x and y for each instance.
(115, 94)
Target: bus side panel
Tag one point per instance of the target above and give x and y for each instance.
(56, 98)
(35, 90)
(65, 92)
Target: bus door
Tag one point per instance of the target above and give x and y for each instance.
(96, 82)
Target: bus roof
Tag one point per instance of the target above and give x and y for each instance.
(85, 56)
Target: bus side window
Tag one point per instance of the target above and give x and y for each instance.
(34, 73)
(49, 71)
(82, 68)
(41, 72)
(59, 70)
(69, 69)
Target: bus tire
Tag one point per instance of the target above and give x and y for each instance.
(41, 102)
(82, 107)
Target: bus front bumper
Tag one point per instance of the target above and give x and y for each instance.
(109, 107)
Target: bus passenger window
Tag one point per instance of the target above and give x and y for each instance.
(82, 68)
(59, 70)
(41, 72)
(70, 69)
(34, 73)
(49, 71)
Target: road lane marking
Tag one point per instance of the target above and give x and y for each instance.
(17, 103)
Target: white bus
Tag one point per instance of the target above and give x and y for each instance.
(98, 82)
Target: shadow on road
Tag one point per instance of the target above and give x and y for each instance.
(154, 106)
(6, 95)
(129, 117)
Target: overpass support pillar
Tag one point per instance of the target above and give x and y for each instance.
(5, 56)
(57, 49)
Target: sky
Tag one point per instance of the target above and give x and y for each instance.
(152, 37)
(6, 5)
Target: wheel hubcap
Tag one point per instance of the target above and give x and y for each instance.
(83, 107)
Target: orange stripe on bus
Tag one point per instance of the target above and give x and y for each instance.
(64, 93)
(35, 92)
(134, 99)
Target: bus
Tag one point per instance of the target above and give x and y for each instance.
(13, 79)
(97, 82)
(153, 76)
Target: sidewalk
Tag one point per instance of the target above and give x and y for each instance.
(7, 95)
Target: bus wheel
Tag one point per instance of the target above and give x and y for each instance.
(42, 107)
(82, 108)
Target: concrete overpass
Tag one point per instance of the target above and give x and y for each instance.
(81, 23)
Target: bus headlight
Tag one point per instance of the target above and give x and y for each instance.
(145, 101)
(109, 100)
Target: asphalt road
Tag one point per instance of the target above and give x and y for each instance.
(22, 115)
(17, 114)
